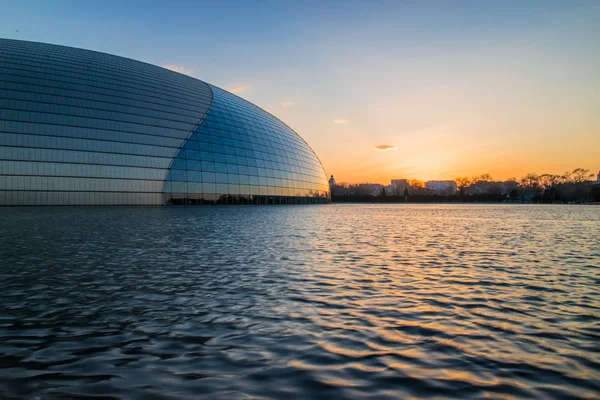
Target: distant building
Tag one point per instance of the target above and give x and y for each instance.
(398, 186)
(337, 190)
(442, 187)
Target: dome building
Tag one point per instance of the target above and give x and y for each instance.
(79, 127)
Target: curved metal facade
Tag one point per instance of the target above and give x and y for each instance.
(79, 127)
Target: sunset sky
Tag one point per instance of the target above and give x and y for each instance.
(380, 90)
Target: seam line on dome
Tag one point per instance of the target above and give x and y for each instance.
(212, 97)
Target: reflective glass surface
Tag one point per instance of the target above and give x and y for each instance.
(239, 154)
(82, 127)
(79, 127)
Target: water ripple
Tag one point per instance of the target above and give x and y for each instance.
(340, 301)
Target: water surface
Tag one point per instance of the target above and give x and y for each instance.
(334, 301)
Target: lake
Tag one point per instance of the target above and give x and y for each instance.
(321, 302)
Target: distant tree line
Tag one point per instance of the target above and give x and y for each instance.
(571, 187)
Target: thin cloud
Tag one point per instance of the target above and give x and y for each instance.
(287, 104)
(340, 121)
(386, 147)
(179, 68)
(238, 90)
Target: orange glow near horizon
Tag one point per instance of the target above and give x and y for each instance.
(502, 137)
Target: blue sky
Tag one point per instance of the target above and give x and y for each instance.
(459, 88)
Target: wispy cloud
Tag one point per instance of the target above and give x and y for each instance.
(287, 104)
(340, 121)
(179, 68)
(386, 147)
(238, 90)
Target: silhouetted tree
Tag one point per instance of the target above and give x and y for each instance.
(463, 181)
(481, 183)
(581, 175)
(530, 183)
(483, 178)
(417, 186)
(549, 180)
